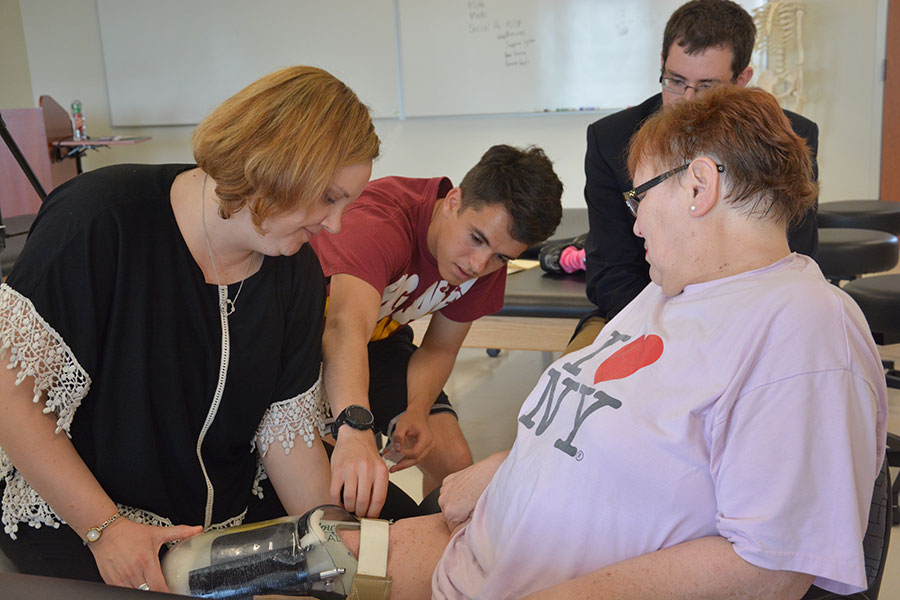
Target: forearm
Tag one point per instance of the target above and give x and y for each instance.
(493, 462)
(301, 478)
(461, 490)
(359, 476)
(48, 461)
(345, 366)
(703, 569)
(352, 313)
(428, 371)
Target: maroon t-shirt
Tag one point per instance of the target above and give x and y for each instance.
(383, 241)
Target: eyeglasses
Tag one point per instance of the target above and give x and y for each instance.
(633, 197)
(680, 86)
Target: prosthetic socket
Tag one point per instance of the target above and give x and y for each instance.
(291, 555)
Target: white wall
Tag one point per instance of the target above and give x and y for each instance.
(844, 41)
(15, 82)
(451, 145)
(845, 49)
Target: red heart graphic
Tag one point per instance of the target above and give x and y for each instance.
(626, 361)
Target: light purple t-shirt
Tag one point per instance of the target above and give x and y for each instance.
(751, 407)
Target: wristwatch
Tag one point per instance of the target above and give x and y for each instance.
(356, 416)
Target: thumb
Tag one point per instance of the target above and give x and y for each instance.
(399, 435)
(179, 532)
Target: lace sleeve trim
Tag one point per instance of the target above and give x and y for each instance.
(34, 512)
(146, 517)
(38, 351)
(285, 420)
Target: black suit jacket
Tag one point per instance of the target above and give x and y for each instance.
(614, 257)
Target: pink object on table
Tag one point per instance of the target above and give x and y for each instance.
(572, 259)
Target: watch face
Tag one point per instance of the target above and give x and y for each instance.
(358, 416)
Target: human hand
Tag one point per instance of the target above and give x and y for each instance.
(359, 471)
(412, 439)
(460, 491)
(127, 554)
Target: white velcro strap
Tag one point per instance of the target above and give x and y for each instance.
(373, 547)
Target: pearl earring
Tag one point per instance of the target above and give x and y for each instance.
(693, 208)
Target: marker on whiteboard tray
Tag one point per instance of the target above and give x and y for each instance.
(579, 109)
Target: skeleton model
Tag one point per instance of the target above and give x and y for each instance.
(779, 42)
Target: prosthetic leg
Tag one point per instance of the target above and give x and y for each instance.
(299, 556)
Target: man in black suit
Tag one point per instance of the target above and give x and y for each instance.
(706, 43)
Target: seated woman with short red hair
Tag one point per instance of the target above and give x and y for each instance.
(721, 436)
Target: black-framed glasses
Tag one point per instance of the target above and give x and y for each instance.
(633, 197)
(680, 86)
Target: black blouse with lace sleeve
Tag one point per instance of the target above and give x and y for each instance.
(107, 278)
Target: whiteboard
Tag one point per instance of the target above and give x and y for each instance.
(170, 62)
(513, 56)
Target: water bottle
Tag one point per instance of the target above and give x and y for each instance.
(79, 132)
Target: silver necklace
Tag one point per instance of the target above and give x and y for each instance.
(227, 306)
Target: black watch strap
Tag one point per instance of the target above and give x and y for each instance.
(356, 416)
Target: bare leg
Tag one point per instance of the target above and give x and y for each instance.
(450, 453)
(414, 549)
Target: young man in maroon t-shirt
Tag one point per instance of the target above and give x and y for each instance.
(409, 248)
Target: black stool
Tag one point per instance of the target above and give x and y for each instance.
(860, 214)
(879, 299)
(845, 254)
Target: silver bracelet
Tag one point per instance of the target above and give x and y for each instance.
(93, 534)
